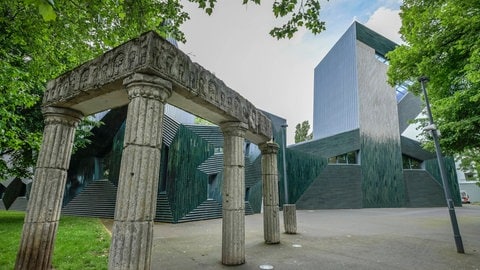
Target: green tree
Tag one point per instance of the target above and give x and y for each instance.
(201, 121)
(443, 43)
(40, 39)
(301, 132)
(469, 163)
(34, 49)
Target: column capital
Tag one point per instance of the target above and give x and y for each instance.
(234, 128)
(59, 115)
(268, 148)
(148, 86)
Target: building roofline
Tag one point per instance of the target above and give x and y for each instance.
(381, 44)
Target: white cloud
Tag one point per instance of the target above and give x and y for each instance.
(386, 22)
(275, 75)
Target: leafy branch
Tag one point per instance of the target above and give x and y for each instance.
(306, 15)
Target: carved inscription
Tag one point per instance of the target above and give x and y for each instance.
(84, 77)
(118, 64)
(112, 65)
(152, 54)
(176, 66)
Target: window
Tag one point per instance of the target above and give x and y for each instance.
(212, 187)
(381, 58)
(469, 176)
(410, 163)
(347, 158)
(402, 90)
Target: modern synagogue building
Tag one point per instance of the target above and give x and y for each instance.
(191, 170)
(359, 156)
(359, 124)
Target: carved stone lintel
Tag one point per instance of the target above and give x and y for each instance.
(154, 55)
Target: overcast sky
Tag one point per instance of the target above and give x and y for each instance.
(276, 75)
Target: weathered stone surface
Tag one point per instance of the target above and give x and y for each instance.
(233, 237)
(152, 71)
(271, 219)
(136, 196)
(271, 224)
(36, 246)
(46, 195)
(290, 218)
(133, 246)
(233, 194)
(151, 54)
(270, 189)
(139, 171)
(147, 96)
(58, 133)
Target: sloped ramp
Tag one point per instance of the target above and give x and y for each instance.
(212, 165)
(163, 211)
(337, 187)
(20, 204)
(209, 209)
(96, 200)
(423, 190)
(248, 209)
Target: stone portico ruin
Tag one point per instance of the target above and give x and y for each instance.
(145, 73)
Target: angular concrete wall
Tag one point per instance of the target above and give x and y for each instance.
(338, 187)
(380, 151)
(422, 189)
(335, 90)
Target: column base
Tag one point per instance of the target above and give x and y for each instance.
(271, 224)
(233, 237)
(290, 218)
(131, 245)
(36, 248)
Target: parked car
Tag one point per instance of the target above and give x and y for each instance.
(465, 197)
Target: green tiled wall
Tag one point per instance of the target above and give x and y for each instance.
(431, 166)
(382, 173)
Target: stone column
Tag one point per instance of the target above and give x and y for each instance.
(132, 234)
(233, 193)
(290, 218)
(46, 195)
(271, 220)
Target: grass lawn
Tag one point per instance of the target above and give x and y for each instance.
(82, 243)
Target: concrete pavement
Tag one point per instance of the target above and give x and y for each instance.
(418, 238)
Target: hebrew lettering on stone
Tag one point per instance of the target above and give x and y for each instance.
(151, 54)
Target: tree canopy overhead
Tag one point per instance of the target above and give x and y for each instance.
(40, 39)
(443, 43)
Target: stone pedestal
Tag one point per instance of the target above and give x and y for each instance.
(233, 194)
(271, 219)
(132, 235)
(46, 195)
(290, 218)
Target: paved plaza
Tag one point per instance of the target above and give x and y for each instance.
(419, 238)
